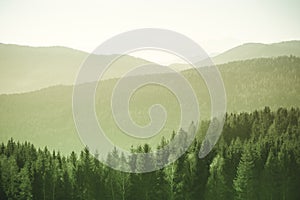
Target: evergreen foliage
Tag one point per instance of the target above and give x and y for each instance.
(257, 157)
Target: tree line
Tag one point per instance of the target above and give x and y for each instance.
(257, 157)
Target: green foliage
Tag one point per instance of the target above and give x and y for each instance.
(257, 157)
(245, 181)
(216, 184)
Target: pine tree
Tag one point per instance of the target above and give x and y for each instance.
(232, 157)
(113, 184)
(198, 172)
(179, 178)
(123, 177)
(245, 181)
(216, 186)
(272, 177)
(25, 192)
(10, 178)
(162, 187)
(2, 184)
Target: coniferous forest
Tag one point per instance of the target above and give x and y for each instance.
(257, 157)
(149, 100)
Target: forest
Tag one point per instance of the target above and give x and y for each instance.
(257, 157)
(45, 117)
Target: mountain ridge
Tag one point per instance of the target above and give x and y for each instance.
(259, 50)
(26, 68)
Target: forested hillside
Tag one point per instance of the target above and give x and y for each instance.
(44, 117)
(257, 157)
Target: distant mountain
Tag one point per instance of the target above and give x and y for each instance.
(258, 50)
(24, 68)
(248, 51)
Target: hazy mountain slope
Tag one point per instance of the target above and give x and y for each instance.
(29, 68)
(257, 50)
(249, 51)
(44, 117)
(25, 68)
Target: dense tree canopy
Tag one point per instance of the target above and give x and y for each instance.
(257, 157)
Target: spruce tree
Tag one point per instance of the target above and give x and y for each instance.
(216, 186)
(245, 181)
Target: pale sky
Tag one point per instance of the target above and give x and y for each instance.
(216, 25)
